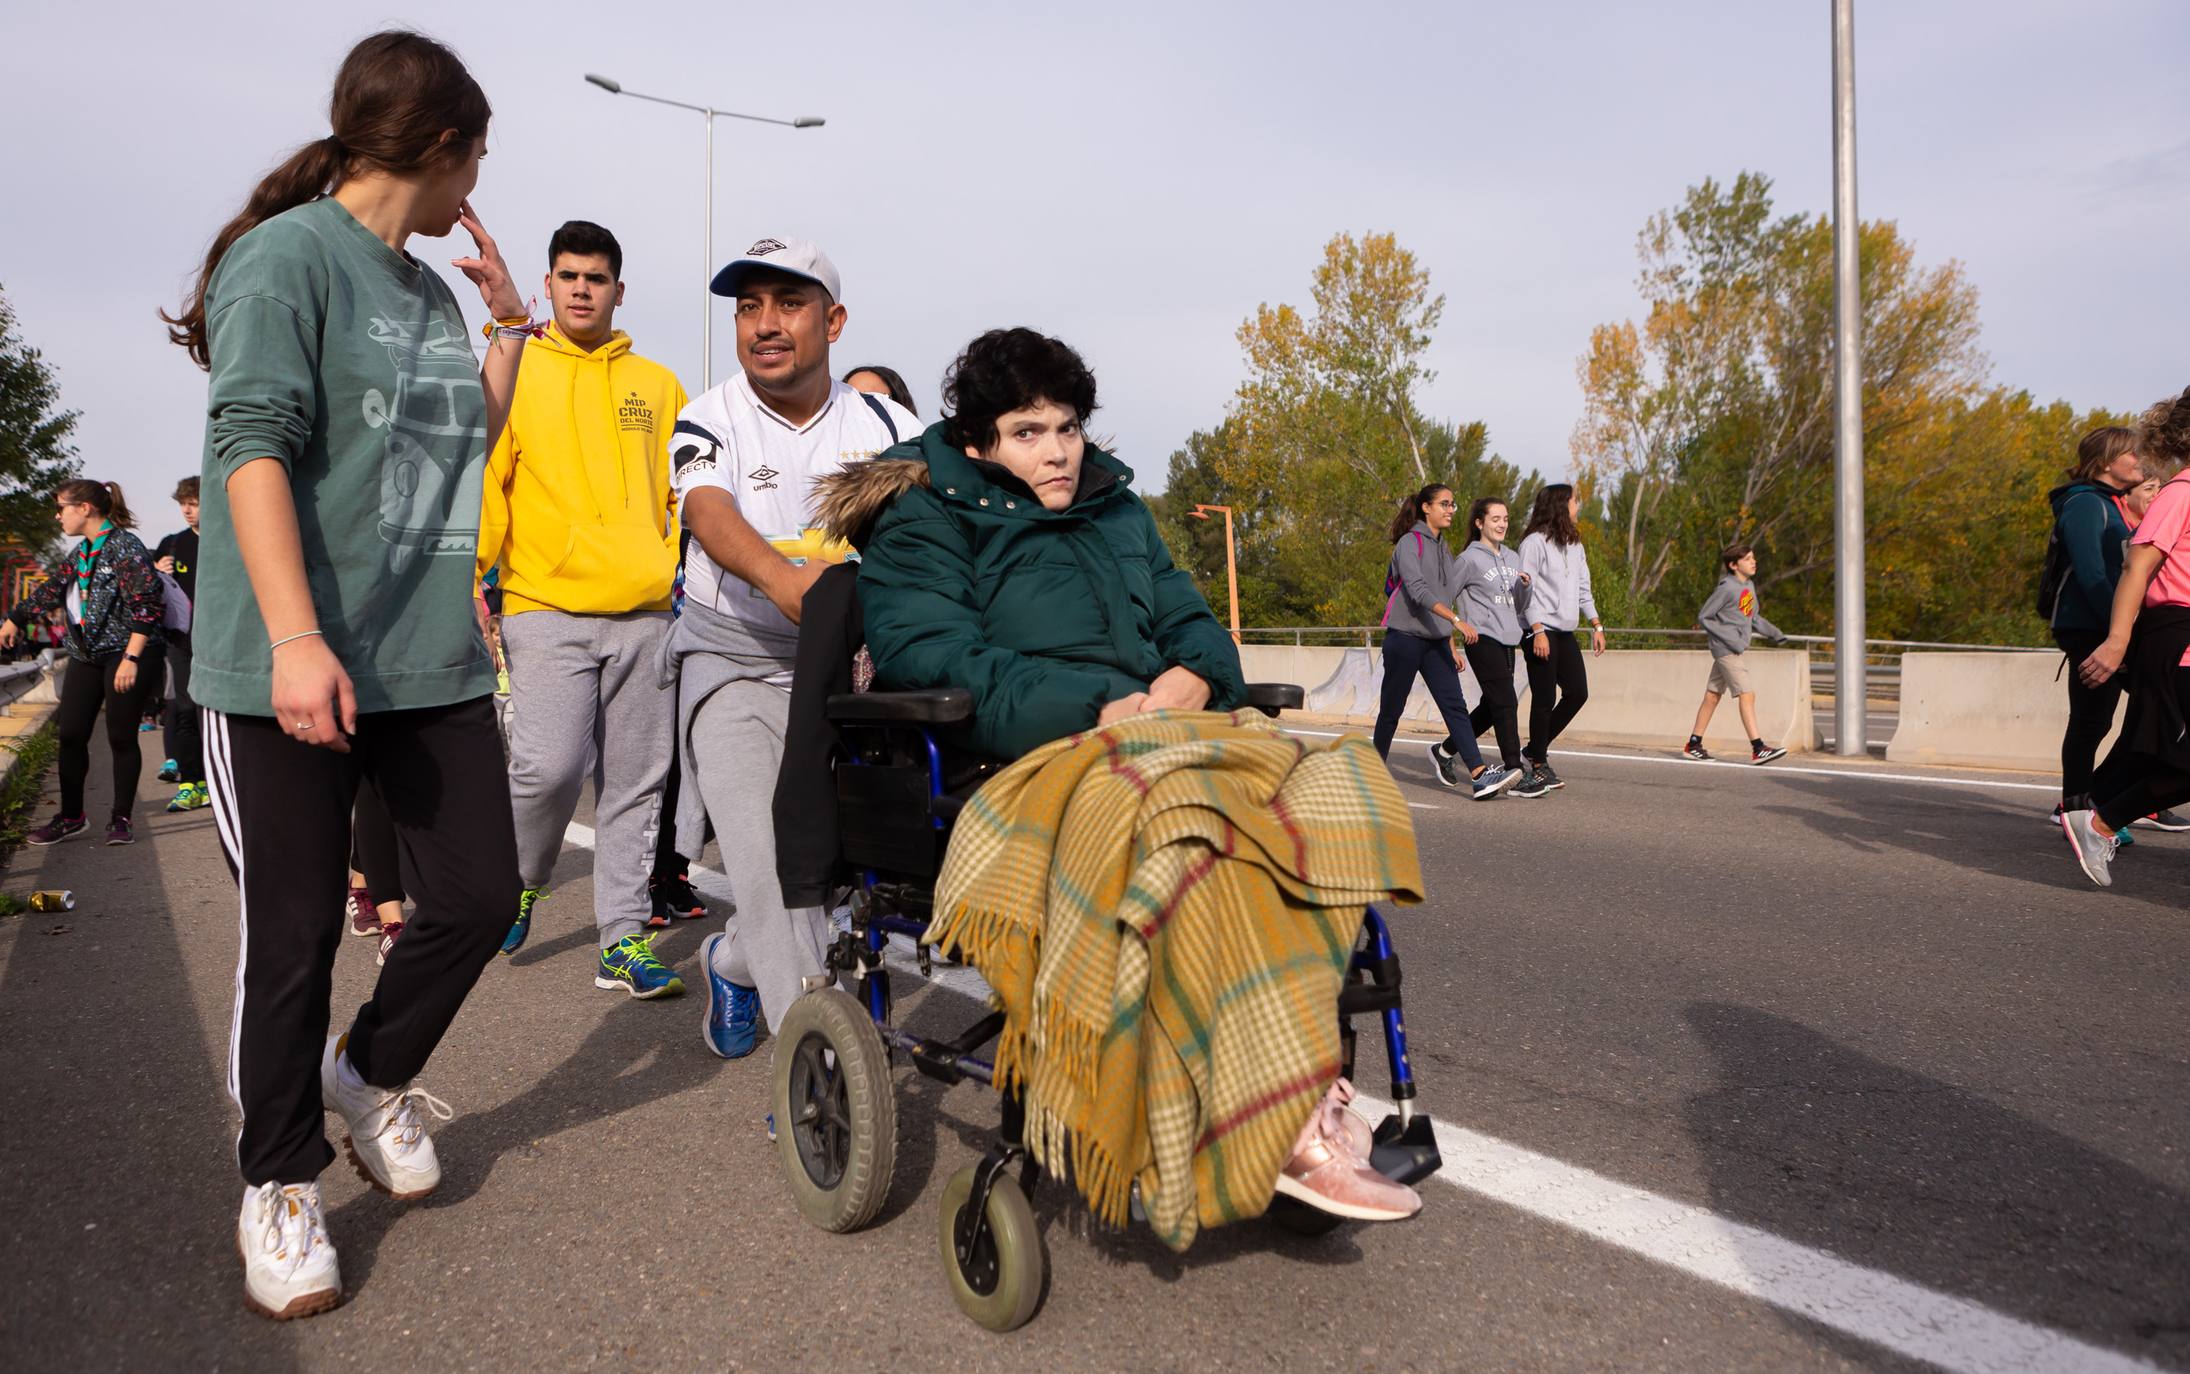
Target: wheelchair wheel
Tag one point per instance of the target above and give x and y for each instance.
(1001, 1283)
(836, 1116)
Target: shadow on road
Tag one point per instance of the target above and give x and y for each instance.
(1830, 1148)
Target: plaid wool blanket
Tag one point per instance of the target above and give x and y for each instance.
(1165, 908)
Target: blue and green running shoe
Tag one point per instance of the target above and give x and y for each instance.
(630, 964)
(522, 926)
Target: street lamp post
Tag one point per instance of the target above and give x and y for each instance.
(1851, 704)
(707, 308)
(1231, 562)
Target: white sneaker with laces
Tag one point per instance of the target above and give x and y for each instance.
(388, 1143)
(289, 1267)
(2094, 845)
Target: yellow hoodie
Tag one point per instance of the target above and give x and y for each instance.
(578, 507)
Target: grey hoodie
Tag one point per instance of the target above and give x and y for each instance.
(1426, 575)
(1493, 598)
(1731, 614)
(1558, 583)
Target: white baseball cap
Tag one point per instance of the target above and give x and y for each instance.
(796, 257)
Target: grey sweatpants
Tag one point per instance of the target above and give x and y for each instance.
(737, 742)
(585, 688)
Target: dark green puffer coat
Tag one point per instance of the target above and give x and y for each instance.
(966, 580)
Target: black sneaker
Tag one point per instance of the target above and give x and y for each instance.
(1532, 783)
(674, 899)
(2164, 820)
(1551, 780)
(1446, 764)
(1696, 752)
(1766, 753)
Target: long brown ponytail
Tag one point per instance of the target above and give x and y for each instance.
(103, 497)
(397, 98)
(1410, 510)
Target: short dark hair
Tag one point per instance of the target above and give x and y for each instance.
(1006, 370)
(187, 489)
(585, 239)
(1733, 553)
(899, 392)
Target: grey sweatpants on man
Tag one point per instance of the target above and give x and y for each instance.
(737, 744)
(586, 688)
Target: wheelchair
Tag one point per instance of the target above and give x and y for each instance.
(897, 792)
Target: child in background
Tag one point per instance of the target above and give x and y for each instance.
(1730, 615)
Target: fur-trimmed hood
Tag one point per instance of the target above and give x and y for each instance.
(848, 500)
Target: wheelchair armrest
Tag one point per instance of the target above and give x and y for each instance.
(929, 706)
(1273, 697)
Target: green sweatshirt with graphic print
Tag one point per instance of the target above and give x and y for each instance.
(348, 363)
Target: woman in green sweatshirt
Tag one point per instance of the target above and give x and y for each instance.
(347, 428)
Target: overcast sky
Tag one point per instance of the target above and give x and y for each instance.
(1134, 177)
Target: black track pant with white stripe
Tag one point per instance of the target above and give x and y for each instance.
(284, 816)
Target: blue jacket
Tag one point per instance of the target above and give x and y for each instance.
(2093, 535)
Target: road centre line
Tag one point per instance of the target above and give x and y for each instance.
(1904, 1317)
(1870, 1304)
(1856, 773)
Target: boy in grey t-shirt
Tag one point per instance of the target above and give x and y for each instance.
(1730, 616)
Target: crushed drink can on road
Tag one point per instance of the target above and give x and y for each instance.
(53, 899)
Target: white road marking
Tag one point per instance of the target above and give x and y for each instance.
(1856, 773)
(1869, 1304)
(1875, 1306)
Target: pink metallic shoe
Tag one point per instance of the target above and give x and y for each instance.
(1326, 1172)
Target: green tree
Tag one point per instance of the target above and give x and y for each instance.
(1321, 440)
(35, 453)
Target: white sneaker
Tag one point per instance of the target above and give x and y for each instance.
(388, 1142)
(2094, 845)
(289, 1267)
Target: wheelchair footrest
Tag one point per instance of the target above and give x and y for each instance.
(1408, 1154)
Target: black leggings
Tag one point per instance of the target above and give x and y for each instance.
(85, 688)
(1562, 675)
(372, 846)
(1499, 707)
(2090, 711)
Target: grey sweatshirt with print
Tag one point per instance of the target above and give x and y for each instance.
(1493, 598)
(1731, 614)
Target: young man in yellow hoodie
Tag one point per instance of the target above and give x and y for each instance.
(580, 516)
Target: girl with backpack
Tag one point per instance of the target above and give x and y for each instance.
(106, 584)
(348, 425)
(2090, 531)
(1420, 585)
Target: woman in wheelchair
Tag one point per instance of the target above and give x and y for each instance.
(1164, 898)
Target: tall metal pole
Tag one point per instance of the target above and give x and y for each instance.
(1850, 680)
(707, 268)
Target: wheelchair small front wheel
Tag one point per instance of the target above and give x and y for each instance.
(836, 1116)
(1000, 1283)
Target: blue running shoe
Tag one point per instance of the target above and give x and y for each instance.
(630, 964)
(522, 926)
(170, 771)
(732, 1026)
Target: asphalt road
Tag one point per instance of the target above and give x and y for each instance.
(1885, 1023)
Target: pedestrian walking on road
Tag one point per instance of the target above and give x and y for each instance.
(2148, 772)
(1421, 583)
(115, 604)
(1493, 604)
(579, 518)
(877, 380)
(177, 557)
(745, 458)
(1556, 568)
(2091, 526)
(348, 424)
(1730, 617)
(375, 906)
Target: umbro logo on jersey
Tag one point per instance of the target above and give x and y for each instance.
(764, 478)
(766, 246)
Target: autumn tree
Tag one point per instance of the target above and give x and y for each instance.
(1321, 440)
(35, 453)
